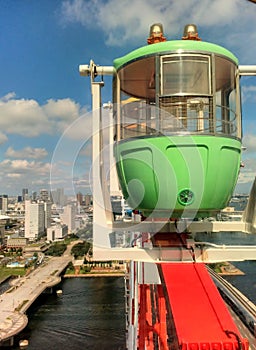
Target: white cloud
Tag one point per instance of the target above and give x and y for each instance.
(23, 166)
(22, 173)
(249, 93)
(27, 118)
(129, 20)
(23, 117)
(3, 138)
(61, 113)
(217, 12)
(82, 182)
(246, 177)
(27, 152)
(14, 175)
(248, 173)
(249, 141)
(8, 96)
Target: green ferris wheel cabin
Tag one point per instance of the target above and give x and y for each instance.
(178, 125)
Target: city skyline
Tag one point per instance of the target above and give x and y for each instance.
(56, 196)
(45, 105)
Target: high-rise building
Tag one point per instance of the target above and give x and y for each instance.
(34, 220)
(58, 197)
(68, 217)
(47, 214)
(44, 195)
(88, 199)
(24, 194)
(79, 198)
(3, 203)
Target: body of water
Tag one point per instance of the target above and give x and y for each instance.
(90, 313)
(245, 283)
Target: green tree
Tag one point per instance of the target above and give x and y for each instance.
(80, 249)
(56, 249)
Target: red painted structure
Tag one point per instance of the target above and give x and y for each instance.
(152, 317)
(186, 312)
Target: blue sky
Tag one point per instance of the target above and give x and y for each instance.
(42, 94)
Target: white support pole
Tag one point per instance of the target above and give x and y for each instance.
(102, 210)
(102, 213)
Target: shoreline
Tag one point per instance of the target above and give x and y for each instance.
(228, 269)
(84, 275)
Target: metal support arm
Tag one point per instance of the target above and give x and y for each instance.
(247, 70)
(93, 70)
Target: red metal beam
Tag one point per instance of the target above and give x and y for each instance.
(152, 303)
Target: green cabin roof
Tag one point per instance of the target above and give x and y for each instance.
(173, 46)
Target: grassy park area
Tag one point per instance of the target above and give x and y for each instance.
(6, 272)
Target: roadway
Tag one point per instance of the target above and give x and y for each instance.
(25, 290)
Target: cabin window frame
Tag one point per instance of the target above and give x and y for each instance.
(178, 58)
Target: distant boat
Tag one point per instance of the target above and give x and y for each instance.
(59, 292)
(23, 344)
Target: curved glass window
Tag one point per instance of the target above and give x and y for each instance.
(138, 79)
(185, 74)
(179, 93)
(226, 98)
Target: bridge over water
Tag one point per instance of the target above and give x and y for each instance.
(24, 291)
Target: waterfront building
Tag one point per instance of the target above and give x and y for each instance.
(34, 219)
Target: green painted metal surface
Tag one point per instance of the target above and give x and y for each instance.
(170, 176)
(174, 46)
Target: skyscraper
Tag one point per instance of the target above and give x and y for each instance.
(68, 217)
(47, 214)
(34, 220)
(3, 203)
(58, 197)
(79, 198)
(88, 199)
(24, 194)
